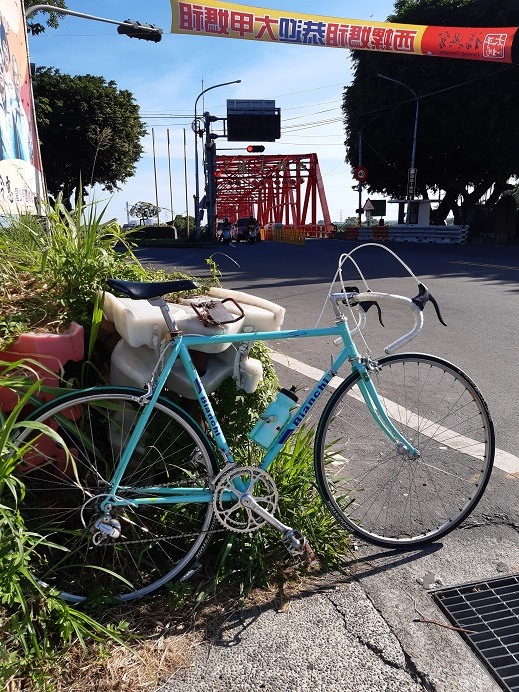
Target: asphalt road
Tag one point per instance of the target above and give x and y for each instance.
(476, 287)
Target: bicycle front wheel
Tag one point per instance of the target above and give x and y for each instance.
(157, 542)
(379, 491)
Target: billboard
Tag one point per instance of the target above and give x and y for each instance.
(229, 20)
(20, 163)
(253, 120)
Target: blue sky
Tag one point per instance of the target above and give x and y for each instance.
(165, 78)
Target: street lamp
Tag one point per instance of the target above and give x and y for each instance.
(412, 170)
(197, 132)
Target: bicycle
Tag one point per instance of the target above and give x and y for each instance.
(403, 452)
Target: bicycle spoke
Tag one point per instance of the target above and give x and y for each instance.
(384, 493)
(157, 541)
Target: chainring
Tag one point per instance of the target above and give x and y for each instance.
(257, 483)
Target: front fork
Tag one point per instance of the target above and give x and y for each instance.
(366, 366)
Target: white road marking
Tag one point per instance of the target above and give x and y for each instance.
(505, 461)
(490, 266)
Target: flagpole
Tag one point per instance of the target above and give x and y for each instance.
(155, 173)
(185, 184)
(171, 186)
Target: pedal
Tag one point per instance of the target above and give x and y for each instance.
(310, 558)
(296, 544)
(293, 542)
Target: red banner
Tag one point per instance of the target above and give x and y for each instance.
(469, 43)
(229, 20)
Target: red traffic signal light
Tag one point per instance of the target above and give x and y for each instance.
(255, 148)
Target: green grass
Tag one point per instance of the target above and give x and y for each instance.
(36, 627)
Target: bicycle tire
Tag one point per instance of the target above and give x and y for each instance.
(159, 543)
(387, 497)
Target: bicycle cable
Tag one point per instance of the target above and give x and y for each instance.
(338, 277)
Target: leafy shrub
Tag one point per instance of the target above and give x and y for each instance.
(238, 412)
(35, 627)
(54, 268)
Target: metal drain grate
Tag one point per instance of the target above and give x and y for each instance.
(489, 612)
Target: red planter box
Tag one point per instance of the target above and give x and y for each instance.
(52, 351)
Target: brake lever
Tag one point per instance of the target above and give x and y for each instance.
(366, 304)
(423, 297)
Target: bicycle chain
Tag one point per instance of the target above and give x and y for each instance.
(228, 470)
(166, 538)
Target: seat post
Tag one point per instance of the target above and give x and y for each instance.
(164, 308)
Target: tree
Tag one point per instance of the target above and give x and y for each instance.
(144, 210)
(90, 131)
(52, 17)
(467, 144)
(185, 225)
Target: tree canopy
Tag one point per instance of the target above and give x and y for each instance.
(467, 144)
(52, 17)
(89, 130)
(144, 210)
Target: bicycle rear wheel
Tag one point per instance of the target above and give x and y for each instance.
(385, 495)
(158, 542)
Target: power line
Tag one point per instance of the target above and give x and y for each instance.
(431, 93)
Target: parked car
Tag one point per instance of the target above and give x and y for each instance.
(242, 227)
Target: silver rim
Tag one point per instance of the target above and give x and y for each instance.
(379, 492)
(157, 542)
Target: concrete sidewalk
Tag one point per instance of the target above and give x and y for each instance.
(366, 633)
(330, 641)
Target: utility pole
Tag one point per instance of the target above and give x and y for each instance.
(210, 171)
(199, 133)
(411, 175)
(359, 213)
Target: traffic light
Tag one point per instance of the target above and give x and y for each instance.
(147, 32)
(255, 148)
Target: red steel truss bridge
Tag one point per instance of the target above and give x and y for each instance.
(282, 188)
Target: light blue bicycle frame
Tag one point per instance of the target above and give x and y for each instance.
(179, 349)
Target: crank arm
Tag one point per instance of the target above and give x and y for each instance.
(294, 541)
(250, 503)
